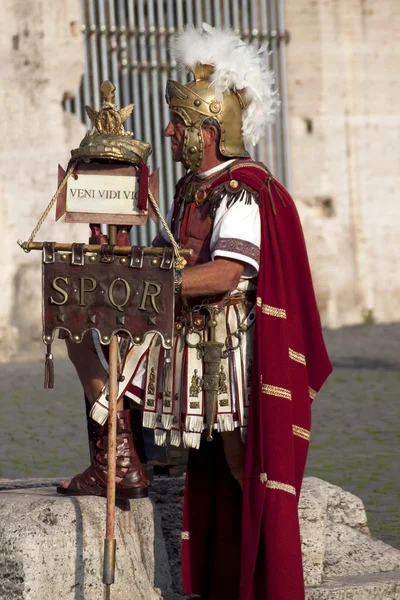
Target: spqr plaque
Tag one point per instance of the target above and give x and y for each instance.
(109, 293)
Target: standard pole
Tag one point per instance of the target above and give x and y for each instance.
(118, 250)
(110, 542)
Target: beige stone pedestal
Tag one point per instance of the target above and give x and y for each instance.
(51, 546)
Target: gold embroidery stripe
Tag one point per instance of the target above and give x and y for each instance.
(273, 390)
(267, 309)
(297, 356)
(284, 487)
(185, 535)
(300, 432)
(312, 393)
(277, 485)
(243, 165)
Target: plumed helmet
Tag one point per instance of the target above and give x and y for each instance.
(195, 103)
(232, 84)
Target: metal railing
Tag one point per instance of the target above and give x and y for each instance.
(127, 41)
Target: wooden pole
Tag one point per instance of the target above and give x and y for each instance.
(110, 542)
(119, 250)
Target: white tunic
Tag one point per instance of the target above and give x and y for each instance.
(236, 235)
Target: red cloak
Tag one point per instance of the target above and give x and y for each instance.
(290, 364)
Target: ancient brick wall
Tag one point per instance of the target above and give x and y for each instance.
(344, 107)
(344, 104)
(41, 61)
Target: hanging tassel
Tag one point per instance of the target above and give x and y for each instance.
(49, 369)
(160, 437)
(99, 410)
(99, 413)
(175, 438)
(191, 440)
(166, 372)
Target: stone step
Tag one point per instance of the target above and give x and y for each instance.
(373, 586)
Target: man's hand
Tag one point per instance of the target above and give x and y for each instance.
(214, 277)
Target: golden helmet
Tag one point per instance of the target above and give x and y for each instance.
(232, 84)
(195, 102)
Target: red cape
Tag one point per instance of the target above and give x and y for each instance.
(290, 364)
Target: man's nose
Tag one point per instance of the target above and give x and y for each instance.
(169, 130)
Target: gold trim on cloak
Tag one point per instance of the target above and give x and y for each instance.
(301, 432)
(272, 311)
(273, 390)
(277, 485)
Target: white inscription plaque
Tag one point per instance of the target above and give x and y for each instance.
(102, 194)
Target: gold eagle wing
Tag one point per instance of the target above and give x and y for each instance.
(126, 112)
(92, 114)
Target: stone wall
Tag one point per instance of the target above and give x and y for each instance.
(344, 108)
(41, 62)
(344, 105)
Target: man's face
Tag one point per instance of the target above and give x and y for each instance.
(176, 131)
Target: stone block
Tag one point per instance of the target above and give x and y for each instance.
(343, 133)
(335, 536)
(313, 506)
(52, 546)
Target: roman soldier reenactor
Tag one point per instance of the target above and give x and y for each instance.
(248, 355)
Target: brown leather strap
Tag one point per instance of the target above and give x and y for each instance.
(107, 253)
(77, 255)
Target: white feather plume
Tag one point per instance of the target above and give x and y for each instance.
(237, 66)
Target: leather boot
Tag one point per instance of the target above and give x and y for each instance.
(131, 479)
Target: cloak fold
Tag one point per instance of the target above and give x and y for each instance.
(290, 364)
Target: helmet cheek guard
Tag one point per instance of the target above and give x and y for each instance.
(194, 103)
(193, 148)
(193, 145)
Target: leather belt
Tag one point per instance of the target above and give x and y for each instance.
(195, 313)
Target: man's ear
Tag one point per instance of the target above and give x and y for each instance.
(210, 136)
